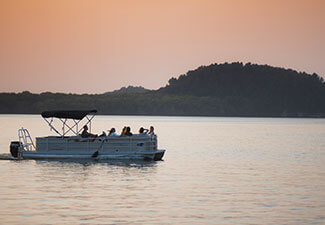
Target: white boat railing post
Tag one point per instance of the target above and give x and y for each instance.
(25, 139)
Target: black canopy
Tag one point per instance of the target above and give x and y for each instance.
(69, 114)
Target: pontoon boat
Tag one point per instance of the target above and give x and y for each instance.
(63, 146)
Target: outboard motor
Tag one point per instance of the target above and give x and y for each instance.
(14, 148)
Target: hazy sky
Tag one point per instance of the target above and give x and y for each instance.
(95, 46)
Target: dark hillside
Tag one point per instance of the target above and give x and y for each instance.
(129, 90)
(253, 88)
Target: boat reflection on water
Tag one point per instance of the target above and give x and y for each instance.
(93, 172)
(99, 162)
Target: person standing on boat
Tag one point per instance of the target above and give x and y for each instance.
(86, 134)
(113, 133)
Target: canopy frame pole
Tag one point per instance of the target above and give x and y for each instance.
(76, 125)
(63, 125)
(64, 116)
(52, 127)
(88, 122)
(69, 128)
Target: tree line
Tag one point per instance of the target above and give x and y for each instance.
(229, 89)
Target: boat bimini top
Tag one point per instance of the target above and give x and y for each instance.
(76, 116)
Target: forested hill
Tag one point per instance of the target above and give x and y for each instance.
(129, 90)
(217, 90)
(255, 88)
(245, 81)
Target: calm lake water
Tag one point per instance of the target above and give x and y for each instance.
(215, 171)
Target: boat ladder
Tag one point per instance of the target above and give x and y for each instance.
(26, 140)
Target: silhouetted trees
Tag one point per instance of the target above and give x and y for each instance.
(253, 89)
(217, 90)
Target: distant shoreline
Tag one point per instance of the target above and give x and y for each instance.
(311, 116)
(218, 90)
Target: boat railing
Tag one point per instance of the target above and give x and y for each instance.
(131, 142)
(26, 140)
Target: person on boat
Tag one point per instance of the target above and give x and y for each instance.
(128, 132)
(113, 133)
(143, 131)
(151, 130)
(86, 134)
(123, 132)
(103, 134)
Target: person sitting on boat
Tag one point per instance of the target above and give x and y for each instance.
(143, 131)
(151, 131)
(123, 132)
(86, 134)
(103, 134)
(112, 132)
(128, 132)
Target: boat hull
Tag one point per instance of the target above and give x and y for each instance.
(154, 155)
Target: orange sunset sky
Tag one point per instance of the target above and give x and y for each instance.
(79, 46)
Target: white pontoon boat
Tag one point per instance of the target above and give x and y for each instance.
(77, 147)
